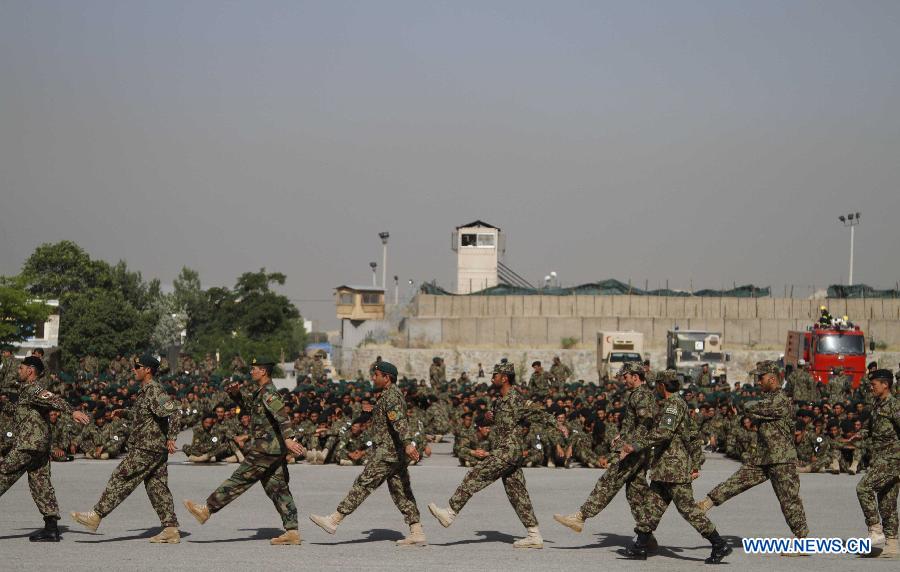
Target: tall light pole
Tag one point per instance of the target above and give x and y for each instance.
(396, 290)
(373, 266)
(384, 238)
(850, 220)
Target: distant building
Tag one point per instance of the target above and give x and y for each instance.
(359, 303)
(46, 334)
(479, 247)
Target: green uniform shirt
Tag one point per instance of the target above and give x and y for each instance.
(774, 415)
(32, 429)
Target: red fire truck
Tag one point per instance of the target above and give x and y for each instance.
(824, 347)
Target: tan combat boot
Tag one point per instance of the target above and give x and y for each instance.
(835, 467)
(198, 458)
(327, 523)
(321, 456)
(876, 535)
(104, 456)
(574, 521)
(705, 505)
(239, 455)
(533, 540)
(200, 511)
(416, 536)
(804, 468)
(311, 456)
(853, 468)
(230, 459)
(444, 515)
(90, 520)
(289, 538)
(891, 548)
(346, 463)
(169, 535)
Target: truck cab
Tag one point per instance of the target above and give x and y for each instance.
(825, 348)
(616, 348)
(688, 350)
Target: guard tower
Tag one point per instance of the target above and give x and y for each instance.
(479, 247)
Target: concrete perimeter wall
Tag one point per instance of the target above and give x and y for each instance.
(540, 321)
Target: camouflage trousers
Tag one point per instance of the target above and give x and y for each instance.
(630, 472)
(37, 465)
(377, 471)
(486, 472)
(877, 494)
(140, 466)
(785, 483)
(271, 471)
(682, 495)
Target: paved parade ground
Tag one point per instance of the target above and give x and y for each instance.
(237, 537)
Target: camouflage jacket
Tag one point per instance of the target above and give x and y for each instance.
(511, 416)
(390, 425)
(774, 415)
(882, 430)
(269, 426)
(676, 443)
(348, 443)
(561, 373)
(32, 426)
(640, 410)
(802, 387)
(154, 419)
(540, 383)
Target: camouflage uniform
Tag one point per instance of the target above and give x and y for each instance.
(390, 436)
(9, 381)
(775, 459)
(31, 449)
(677, 452)
(632, 470)
(877, 491)
(802, 387)
(539, 385)
(511, 413)
(265, 457)
(154, 420)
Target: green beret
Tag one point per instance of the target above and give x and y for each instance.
(386, 367)
(263, 361)
(147, 361)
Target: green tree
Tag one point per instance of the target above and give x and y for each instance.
(54, 270)
(19, 313)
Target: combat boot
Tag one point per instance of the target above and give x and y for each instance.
(321, 456)
(533, 540)
(169, 535)
(311, 456)
(551, 464)
(346, 463)
(638, 550)
(804, 468)
(835, 467)
(50, 532)
(720, 549)
(416, 536)
(327, 523)
(289, 538)
(652, 544)
(230, 459)
(891, 548)
(574, 521)
(444, 515)
(853, 468)
(200, 511)
(705, 504)
(876, 535)
(104, 456)
(90, 520)
(239, 455)
(199, 458)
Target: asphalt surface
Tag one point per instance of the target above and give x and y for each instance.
(481, 537)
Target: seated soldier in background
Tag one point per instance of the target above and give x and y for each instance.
(476, 447)
(353, 445)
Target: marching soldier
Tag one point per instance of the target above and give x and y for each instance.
(31, 448)
(877, 491)
(154, 428)
(510, 415)
(394, 450)
(265, 461)
(675, 462)
(775, 457)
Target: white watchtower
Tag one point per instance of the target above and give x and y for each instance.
(479, 247)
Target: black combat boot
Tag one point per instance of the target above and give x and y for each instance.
(720, 549)
(50, 532)
(638, 550)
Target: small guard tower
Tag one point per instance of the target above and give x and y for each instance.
(479, 247)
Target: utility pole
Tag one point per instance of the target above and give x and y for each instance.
(851, 220)
(384, 238)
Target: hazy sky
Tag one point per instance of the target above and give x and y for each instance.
(708, 141)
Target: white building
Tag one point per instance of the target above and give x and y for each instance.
(479, 246)
(46, 334)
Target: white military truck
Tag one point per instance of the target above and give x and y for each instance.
(688, 350)
(616, 348)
